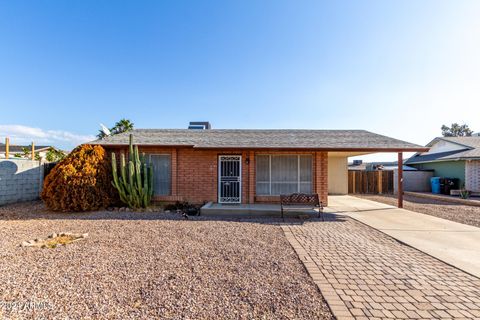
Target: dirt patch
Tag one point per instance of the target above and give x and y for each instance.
(446, 210)
(152, 265)
(54, 240)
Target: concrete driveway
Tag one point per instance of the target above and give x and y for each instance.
(454, 243)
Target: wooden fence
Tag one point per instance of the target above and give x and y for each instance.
(374, 182)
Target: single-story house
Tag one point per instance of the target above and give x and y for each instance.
(251, 166)
(452, 157)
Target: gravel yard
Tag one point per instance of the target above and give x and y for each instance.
(455, 212)
(151, 265)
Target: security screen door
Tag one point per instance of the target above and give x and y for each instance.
(229, 179)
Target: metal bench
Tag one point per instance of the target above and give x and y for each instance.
(301, 201)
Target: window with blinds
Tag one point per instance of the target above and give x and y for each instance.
(283, 174)
(162, 178)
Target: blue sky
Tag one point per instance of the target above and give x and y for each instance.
(399, 68)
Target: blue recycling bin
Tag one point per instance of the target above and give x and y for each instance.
(435, 183)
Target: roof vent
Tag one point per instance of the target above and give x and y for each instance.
(199, 125)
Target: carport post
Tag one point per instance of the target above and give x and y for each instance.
(400, 180)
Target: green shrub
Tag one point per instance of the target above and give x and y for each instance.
(80, 182)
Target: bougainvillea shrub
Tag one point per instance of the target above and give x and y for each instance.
(80, 182)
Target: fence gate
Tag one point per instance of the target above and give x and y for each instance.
(229, 179)
(374, 182)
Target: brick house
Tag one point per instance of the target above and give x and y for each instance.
(251, 166)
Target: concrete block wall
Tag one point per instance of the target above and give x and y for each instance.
(20, 180)
(472, 175)
(415, 181)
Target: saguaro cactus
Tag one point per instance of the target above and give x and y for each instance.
(135, 183)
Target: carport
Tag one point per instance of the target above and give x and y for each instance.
(338, 168)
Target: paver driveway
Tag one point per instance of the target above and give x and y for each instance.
(364, 273)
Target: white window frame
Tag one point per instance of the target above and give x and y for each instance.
(270, 171)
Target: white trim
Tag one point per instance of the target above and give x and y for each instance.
(298, 181)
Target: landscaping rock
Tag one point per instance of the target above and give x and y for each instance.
(154, 266)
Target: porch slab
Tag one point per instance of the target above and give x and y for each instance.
(257, 209)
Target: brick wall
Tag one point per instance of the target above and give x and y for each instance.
(20, 180)
(321, 176)
(195, 173)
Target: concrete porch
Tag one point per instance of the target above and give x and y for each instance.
(252, 210)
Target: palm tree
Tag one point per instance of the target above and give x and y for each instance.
(101, 134)
(124, 125)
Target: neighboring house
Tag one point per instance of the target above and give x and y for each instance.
(251, 166)
(14, 149)
(452, 157)
(391, 165)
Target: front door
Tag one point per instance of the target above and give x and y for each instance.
(229, 179)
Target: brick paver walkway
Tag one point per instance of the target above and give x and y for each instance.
(363, 273)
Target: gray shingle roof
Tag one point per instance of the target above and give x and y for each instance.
(472, 143)
(282, 139)
(471, 150)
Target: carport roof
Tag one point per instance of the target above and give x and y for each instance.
(335, 140)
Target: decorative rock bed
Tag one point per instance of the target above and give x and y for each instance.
(54, 240)
(152, 265)
(127, 209)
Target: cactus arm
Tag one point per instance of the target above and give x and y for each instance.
(150, 182)
(135, 182)
(138, 171)
(131, 184)
(116, 181)
(123, 169)
(130, 155)
(145, 185)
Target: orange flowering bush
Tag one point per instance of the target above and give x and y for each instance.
(80, 182)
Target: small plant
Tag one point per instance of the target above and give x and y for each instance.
(135, 184)
(464, 193)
